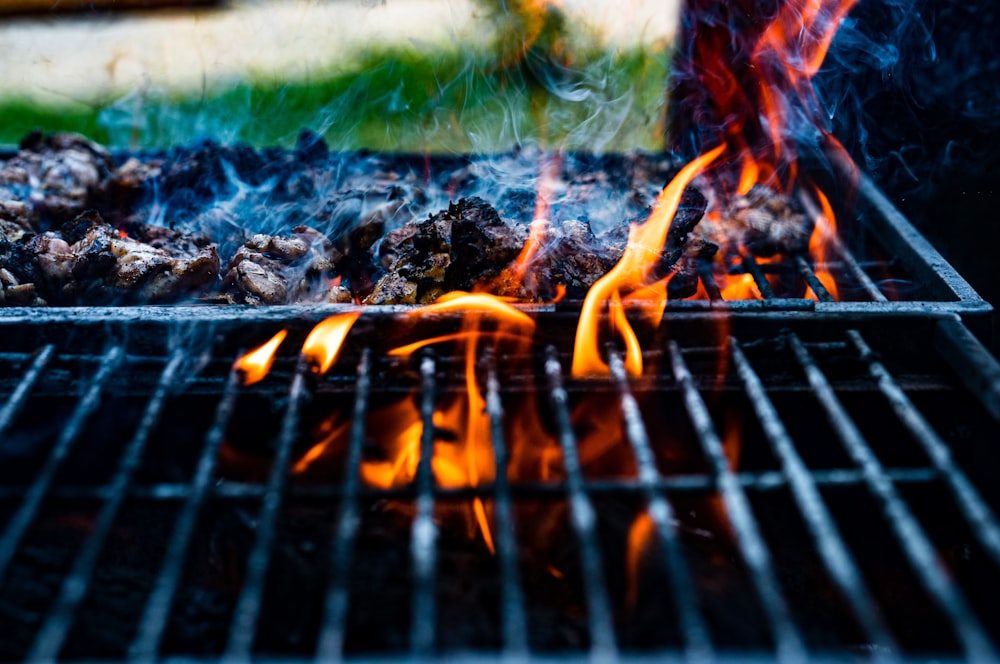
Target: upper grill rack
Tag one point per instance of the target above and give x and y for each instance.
(921, 492)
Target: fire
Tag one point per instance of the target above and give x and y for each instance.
(324, 342)
(645, 243)
(256, 364)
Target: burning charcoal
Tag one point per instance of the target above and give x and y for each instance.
(767, 223)
(15, 294)
(451, 250)
(270, 269)
(393, 288)
(684, 283)
(570, 257)
(482, 244)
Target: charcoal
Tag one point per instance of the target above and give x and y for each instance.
(684, 282)
(767, 223)
(482, 244)
(452, 250)
(270, 269)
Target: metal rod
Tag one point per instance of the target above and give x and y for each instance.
(973, 507)
(915, 544)
(20, 393)
(243, 629)
(35, 495)
(50, 638)
(973, 363)
(818, 289)
(146, 645)
(332, 631)
(582, 518)
(858, 273)
(514, 620)
(755, 481)
(787, 641)
(424, 534)
(698, 645)
(708, 280)
(830, 544)
(751, 265)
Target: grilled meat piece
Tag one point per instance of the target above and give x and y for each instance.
(88, 261)
(271, 269)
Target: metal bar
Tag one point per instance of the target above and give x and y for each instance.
(973, 507)
(818, 289)
(751, 265)
(582, 517)
(146, 645)
(826, 536)
(423, 535)
(759, 481)
(20, 393)
(708, 280)
(35, 495)
(915, 544)
(858, 273)
(243, 629)
(50, 638)
(973, 363)
(698, 645)
(514, 620)
(787, 641)
(332, 631)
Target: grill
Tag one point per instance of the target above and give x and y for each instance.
(152, 507)
(861, 519)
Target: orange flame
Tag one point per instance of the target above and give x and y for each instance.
(323, 344)
(645, 244)
(256, 364)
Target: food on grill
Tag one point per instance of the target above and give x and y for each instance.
(271, 269)
(87, 261)
(233, 224)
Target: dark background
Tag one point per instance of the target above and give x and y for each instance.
(915, 89)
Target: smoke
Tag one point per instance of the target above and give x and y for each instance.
(911, 89)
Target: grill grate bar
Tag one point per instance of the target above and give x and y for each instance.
(582, 517)
(914, 542)
(787, 640)
(331, 638)
(36, 493)
(708, 280)
(857, 272)
(698, 643)
(28, 380)
(807, 272)
(146, 644)
(762, 481)
(50, 639)
(973, 507)
(423, 535)
(829, 542)
(751, 265)
(244, 625)
(515, 640)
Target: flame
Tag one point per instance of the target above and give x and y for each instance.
(645, 243)
(326, 339)
(256, 364)
(821, 242)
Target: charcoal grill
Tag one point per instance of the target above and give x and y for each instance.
(860, 520)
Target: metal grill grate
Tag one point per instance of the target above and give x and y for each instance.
(860, 518)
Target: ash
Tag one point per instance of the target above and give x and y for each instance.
(217, 224)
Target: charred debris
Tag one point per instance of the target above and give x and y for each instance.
(233, 224)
